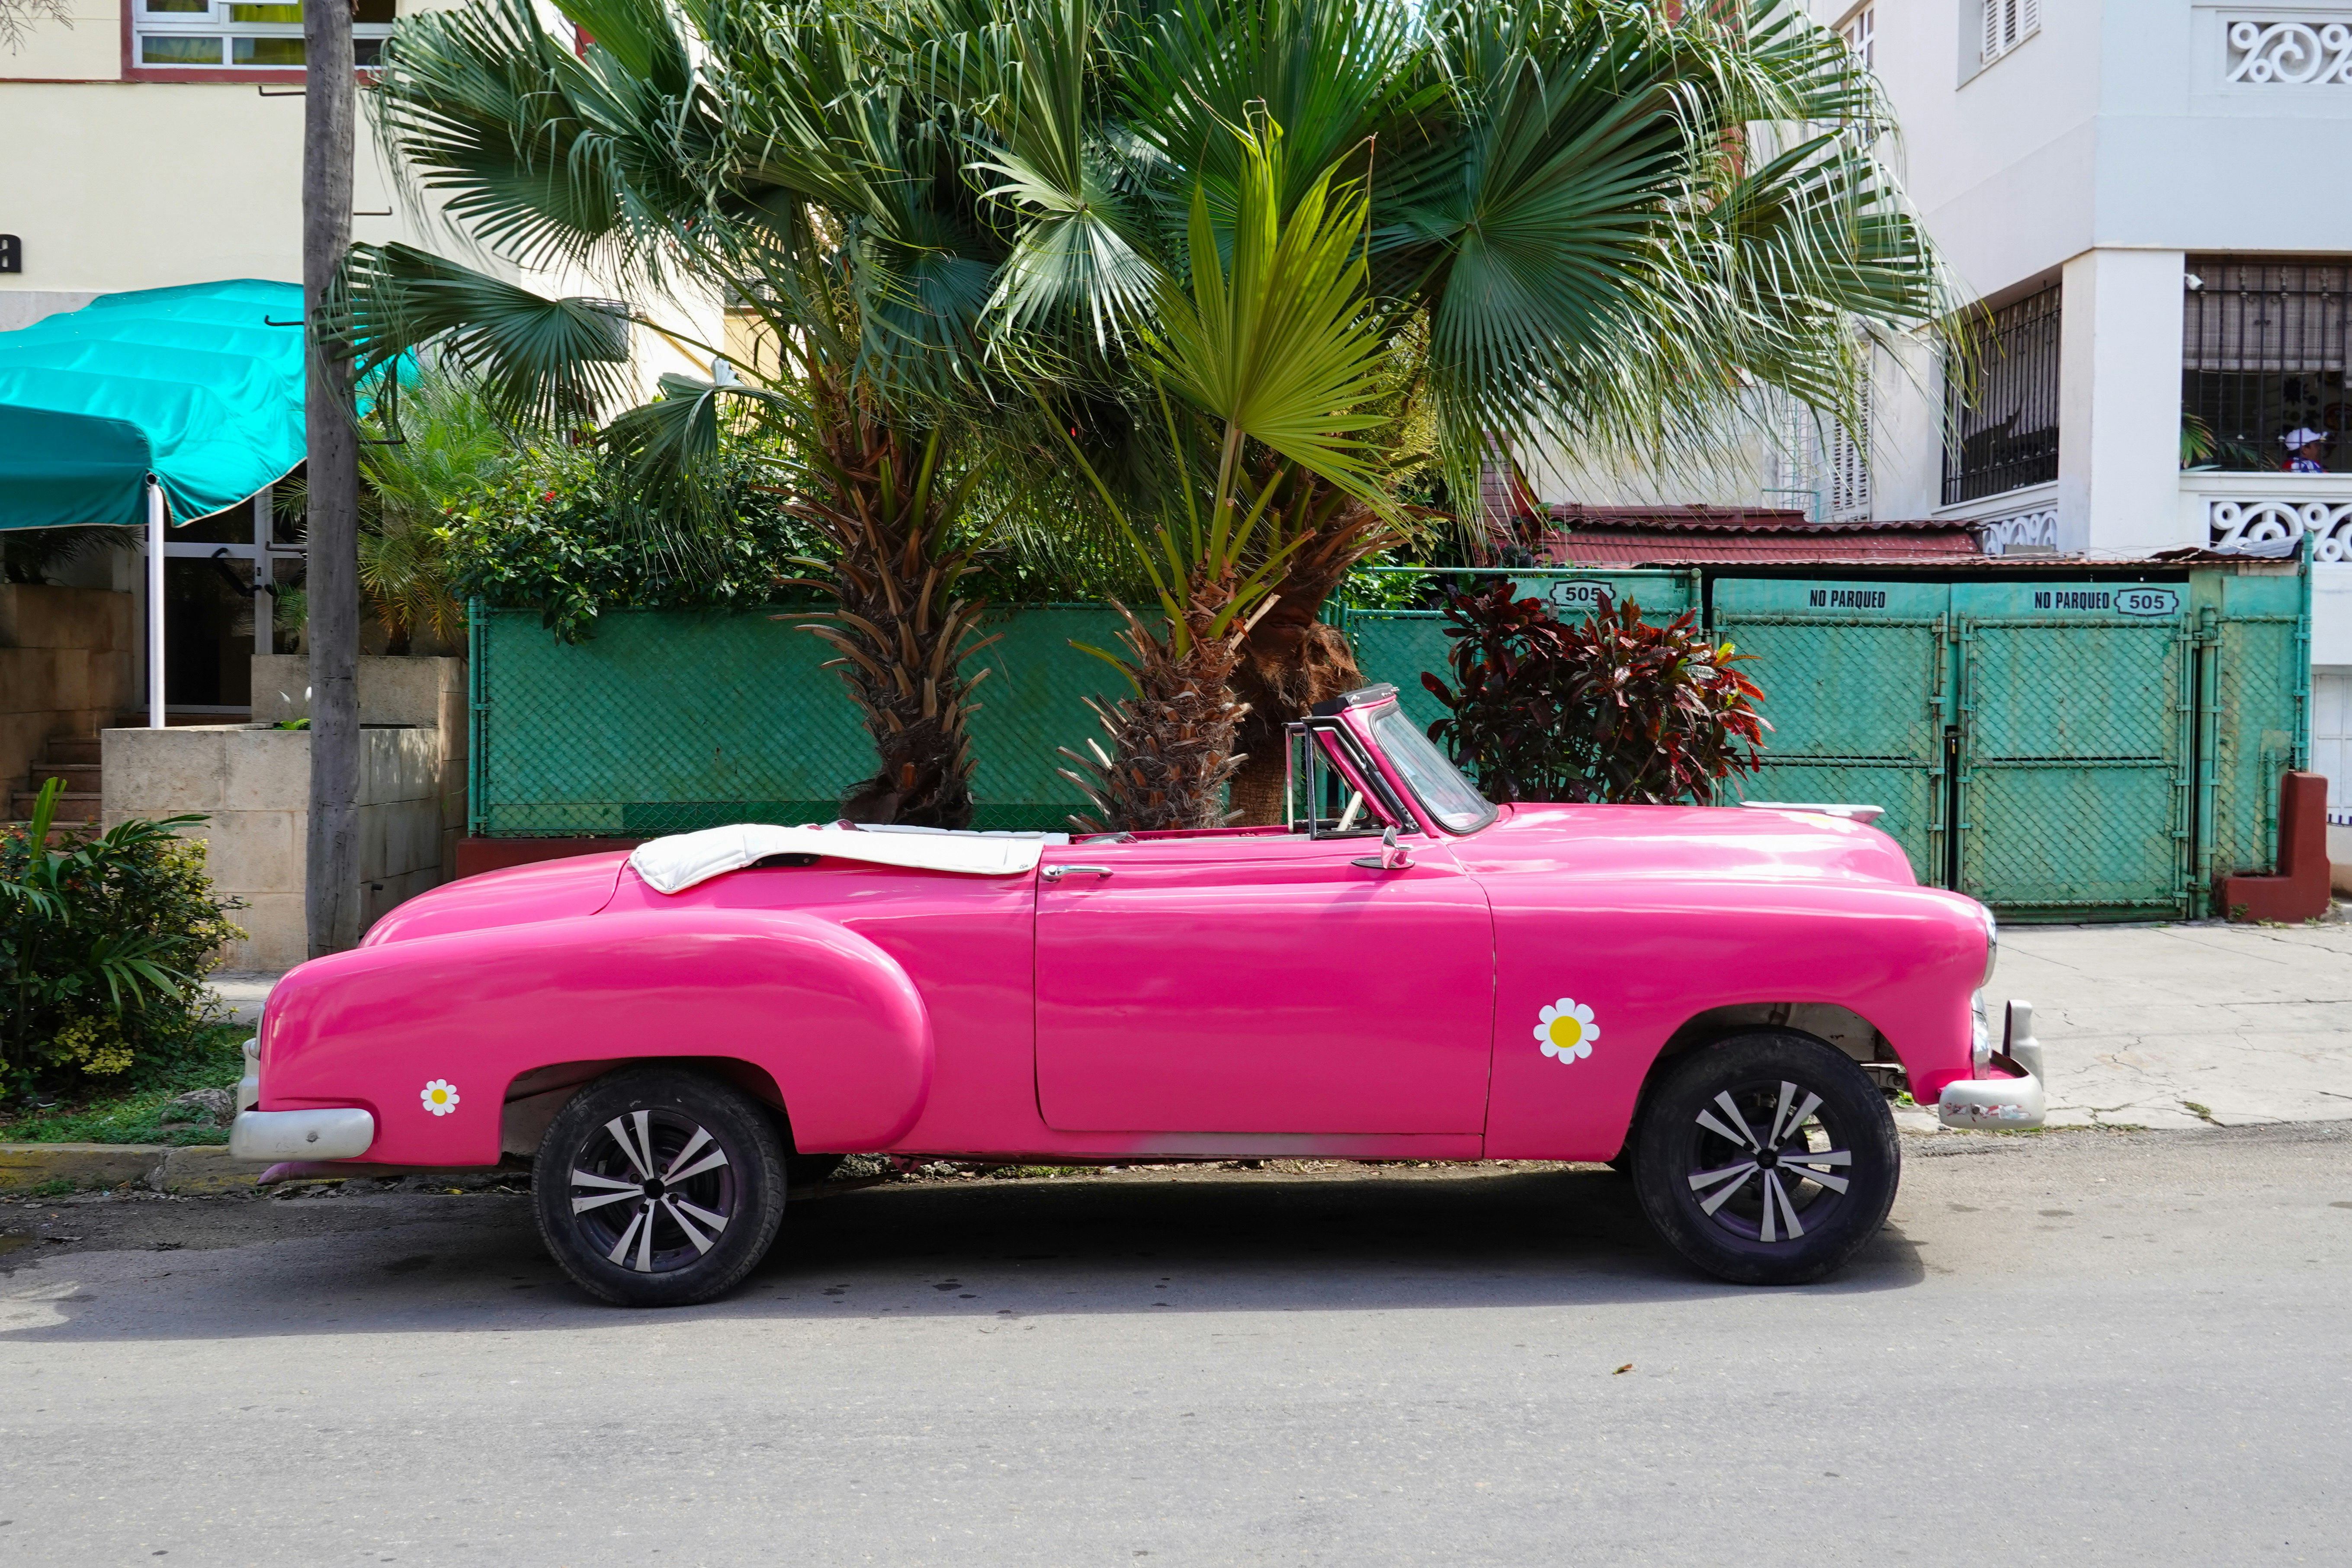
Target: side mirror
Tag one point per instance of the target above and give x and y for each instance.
(1393, 857)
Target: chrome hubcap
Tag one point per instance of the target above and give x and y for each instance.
(653, 1191)
(1764, 1164)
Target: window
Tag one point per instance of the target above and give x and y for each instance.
(1849, 467)
(2265, 347)
(2007, 23)
(1453, 800)
(1861, 36)
(234, 35)
(2000, 400)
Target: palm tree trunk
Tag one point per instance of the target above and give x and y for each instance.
(1291, 660)
(1171, 752)
(901, 632)
(331, 872)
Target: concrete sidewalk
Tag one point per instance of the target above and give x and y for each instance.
(2141, 1025)
(2175, 1025)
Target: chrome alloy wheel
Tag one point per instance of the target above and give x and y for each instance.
(654, 1193)
(1764, 1163)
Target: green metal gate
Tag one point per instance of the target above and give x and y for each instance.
(2063, 750)
(2254, 711)
(2074, 746)
(1857, 687)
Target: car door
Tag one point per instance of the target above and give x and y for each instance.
(1262, 982)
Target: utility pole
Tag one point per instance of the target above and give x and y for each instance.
(331, 880)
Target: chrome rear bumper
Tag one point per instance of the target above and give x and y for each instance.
(342, 1132)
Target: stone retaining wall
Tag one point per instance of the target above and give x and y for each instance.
(253, 782)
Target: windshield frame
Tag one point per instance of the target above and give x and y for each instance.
(1366, 718)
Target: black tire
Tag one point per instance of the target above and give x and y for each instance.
(659, 1187)
(1720, 1135)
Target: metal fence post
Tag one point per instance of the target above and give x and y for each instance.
(2303, 652)
(477, 644)
(2209, 746)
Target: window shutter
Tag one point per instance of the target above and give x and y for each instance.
(2029, 18)
(1992, 28)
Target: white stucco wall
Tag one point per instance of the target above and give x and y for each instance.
(2100, 153)
(115, 185)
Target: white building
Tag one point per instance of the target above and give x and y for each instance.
(2150, 199)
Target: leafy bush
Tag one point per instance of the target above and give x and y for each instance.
(104, 941)
(563, 535)
(1610, 709)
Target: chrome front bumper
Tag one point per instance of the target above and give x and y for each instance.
(2012, 1104)
(338, 1132)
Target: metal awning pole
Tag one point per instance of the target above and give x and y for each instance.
(154, 606)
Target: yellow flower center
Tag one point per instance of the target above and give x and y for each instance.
(440, 1096)
(1566, 1031)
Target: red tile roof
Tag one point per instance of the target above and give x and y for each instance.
(1697, 535)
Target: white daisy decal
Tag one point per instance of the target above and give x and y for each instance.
(440, 1097)
(1566, 1031)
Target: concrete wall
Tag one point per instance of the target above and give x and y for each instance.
(68, 662)
(253, 782)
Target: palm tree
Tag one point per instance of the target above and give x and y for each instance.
(1589, 223)
(1584, 223)
(750, 150)
(1276, 348)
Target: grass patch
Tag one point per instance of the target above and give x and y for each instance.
(127, 1113)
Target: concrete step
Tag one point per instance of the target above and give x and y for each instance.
(72, 807)
(81, 778)
(81, 749)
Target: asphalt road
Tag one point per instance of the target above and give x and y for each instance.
(2086, 1348)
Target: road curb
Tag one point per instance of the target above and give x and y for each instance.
(166, 1168)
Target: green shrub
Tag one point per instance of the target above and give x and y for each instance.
(560, 535)
(104, 941)
(1612, 709)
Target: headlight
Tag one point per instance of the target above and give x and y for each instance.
(1993, 943)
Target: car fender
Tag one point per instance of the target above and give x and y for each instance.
(833, 1021)
(1644, 959)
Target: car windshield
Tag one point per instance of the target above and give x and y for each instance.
(1435, 781)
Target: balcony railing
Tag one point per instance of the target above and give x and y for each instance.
(2270, 514)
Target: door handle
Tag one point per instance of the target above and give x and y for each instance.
(1056, 873)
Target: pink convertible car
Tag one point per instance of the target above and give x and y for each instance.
(1722, 1002)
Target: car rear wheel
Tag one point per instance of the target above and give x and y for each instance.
(656, 1187)
(1767, 1159)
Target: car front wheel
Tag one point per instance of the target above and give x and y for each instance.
(656, 1187)
(1767, 1159)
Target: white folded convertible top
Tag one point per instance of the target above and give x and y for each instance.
(674, 864)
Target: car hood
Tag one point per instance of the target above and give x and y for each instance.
(550, 889)
(1621, 843)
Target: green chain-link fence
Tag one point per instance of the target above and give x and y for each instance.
(2063, 750)
(669, 721)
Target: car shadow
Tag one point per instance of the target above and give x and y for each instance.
(982, 1249)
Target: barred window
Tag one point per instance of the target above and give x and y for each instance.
(2263, 350)
(2001, 397)
(231, 35)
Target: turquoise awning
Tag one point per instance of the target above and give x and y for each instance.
(191, 384)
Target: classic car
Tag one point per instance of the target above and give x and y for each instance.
(1721, 1002)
